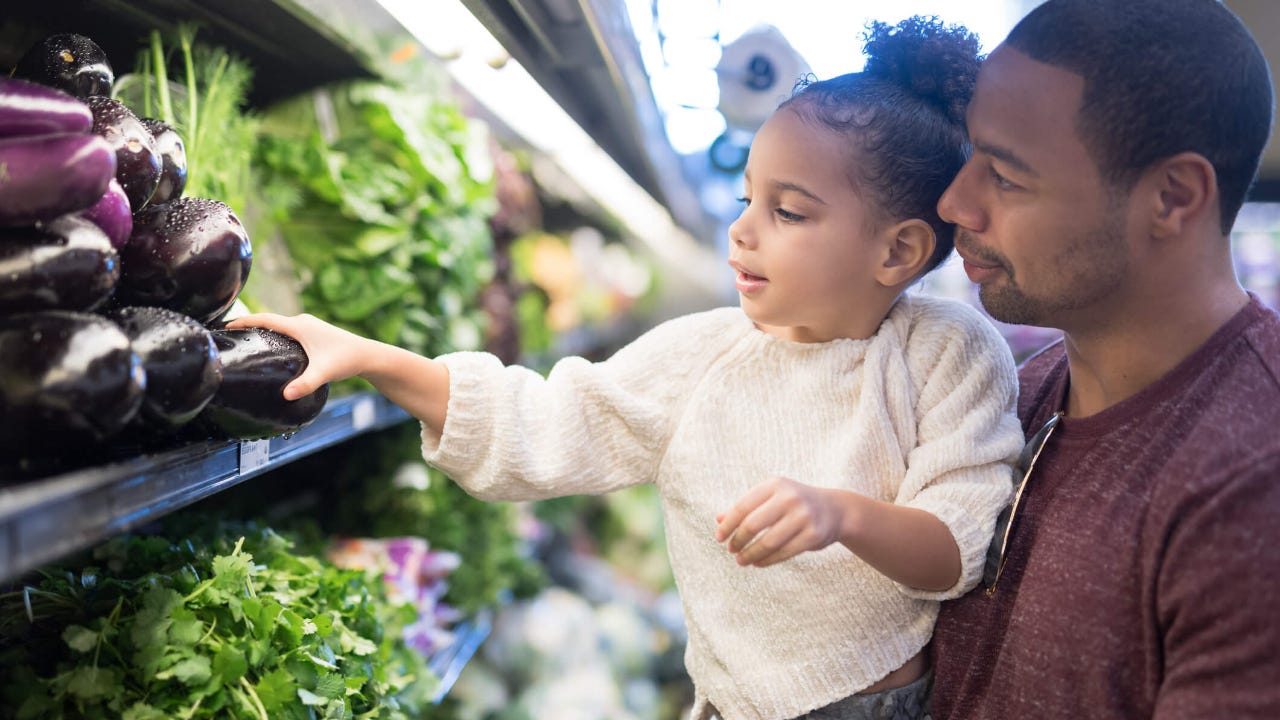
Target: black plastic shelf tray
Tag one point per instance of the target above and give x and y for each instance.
(45, 519)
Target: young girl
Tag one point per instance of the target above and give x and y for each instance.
(831, 455)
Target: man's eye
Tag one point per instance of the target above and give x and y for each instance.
(1001, 181)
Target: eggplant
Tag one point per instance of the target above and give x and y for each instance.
(65, 378)
(66, 264)
(181, 361)
(45, 176)
(249, 405)
(69, 62)
(173, 161)
(111, 213)
(30, 109)
(191, 255)
(138, 160)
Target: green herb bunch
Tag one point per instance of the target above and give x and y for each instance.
(383, 194)
(234, 624)
(206, 101)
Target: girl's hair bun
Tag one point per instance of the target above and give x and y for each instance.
(936, 62)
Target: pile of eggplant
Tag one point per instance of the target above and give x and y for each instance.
(113, 285)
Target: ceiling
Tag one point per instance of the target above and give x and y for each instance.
(583, 52)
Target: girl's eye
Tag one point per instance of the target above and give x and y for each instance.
(787, 216)
(744, 200)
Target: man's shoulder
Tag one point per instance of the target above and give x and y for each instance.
(1263, 338)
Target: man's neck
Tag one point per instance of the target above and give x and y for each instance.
(1112, 360)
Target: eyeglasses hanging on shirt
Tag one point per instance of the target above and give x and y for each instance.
(996, 554)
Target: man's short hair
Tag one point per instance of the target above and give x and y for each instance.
(1161, 77)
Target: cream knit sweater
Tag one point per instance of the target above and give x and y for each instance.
(707, 406)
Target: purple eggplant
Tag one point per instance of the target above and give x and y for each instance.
(65, 264)
(138, 160)
(191, 255)
(173, 161)
(30, 109)
(46, 176)
(256, 365)
(181, 361)
(112, 214)
(69, 62)
(65, 378)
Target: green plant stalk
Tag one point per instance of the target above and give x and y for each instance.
(193, 126)
(253, 695)
(162, 81)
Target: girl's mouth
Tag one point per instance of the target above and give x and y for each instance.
(746, 283)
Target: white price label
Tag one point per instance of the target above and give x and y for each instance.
(363, 413)
(254, 454)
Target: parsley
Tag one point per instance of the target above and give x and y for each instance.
(231, 623)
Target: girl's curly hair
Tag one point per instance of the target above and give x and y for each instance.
(904, 115)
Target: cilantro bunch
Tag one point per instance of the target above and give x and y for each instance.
(230, 625)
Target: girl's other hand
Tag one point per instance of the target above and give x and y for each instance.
(332, 353)
(779, 519)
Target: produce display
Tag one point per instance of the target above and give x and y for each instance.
(227, 621)
(93, 220)
(383, 201)
(67, 377)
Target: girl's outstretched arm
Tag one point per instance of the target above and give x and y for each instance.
(418, 384)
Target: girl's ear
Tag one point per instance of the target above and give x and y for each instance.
(909, 245)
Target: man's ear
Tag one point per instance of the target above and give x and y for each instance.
(909, 245)
(1183, 192)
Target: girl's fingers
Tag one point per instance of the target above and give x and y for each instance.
(729, 521)
(760, 519)
(769, 541)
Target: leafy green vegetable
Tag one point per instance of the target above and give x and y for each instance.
(382, 194)
(208, 627)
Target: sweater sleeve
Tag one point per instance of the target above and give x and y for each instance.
(586, 428)
(967, 431)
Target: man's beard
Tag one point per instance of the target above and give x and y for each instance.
(1091, 267)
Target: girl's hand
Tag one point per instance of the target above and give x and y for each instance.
(779, 519)
(332, 353)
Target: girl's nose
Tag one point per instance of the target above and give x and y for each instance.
(739, 234)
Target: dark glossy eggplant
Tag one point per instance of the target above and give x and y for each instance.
(181, 361)
(191, 255)
(138, 161)
(65, 378)
(65, 264)
(173, 161)
(69, 62)
(256, 365)
(45, 176)
(27, 108)
(112, 214)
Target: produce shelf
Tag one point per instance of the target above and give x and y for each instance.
(447, 663)
(45, 519)
(290, 49)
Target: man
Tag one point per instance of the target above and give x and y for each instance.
(1114, 142)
